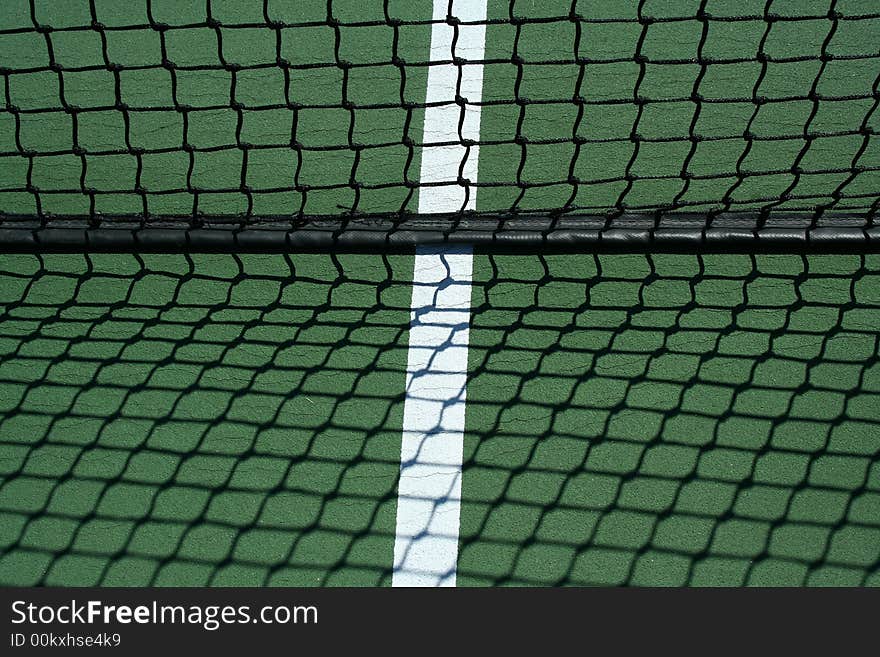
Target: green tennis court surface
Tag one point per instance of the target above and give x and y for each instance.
(177, 421)
(631, 419)
(671, 420)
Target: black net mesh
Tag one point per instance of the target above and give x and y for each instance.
(595, 115)
(641, 419)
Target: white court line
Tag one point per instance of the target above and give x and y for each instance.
(429, 491)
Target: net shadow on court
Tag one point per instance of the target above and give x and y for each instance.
(177, 420)
(673, 420)
(647, 420)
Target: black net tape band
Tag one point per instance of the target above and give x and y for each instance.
(629, 234)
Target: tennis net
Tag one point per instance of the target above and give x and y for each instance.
(276, 125)
(648, 419)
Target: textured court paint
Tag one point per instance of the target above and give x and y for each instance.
(429, 492)
(444, 159)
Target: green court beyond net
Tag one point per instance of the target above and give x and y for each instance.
(270, 124)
